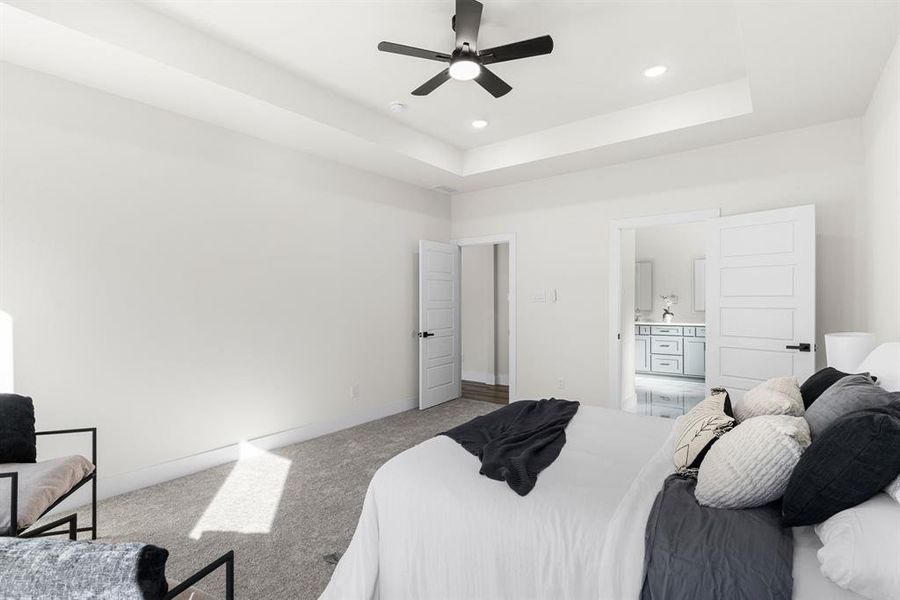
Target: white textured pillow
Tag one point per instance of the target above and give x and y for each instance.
(751, 464)
(893, 489)
(778, 396)
(861, 550)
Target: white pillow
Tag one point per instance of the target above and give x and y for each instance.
(884, 363)
(778, 396)
(861, 550)
(893, 489)
(751, 464)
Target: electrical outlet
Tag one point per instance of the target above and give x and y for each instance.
(561, 383)
(354, 391)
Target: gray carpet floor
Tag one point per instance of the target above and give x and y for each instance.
(316, 515)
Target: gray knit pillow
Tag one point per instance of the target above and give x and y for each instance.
(849, 394)
(42, 568)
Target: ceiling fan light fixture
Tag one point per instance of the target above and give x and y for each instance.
(655, 71)
(464, 69)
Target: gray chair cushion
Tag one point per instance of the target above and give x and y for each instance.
(60, 569)
(40, 485)
(847, 395)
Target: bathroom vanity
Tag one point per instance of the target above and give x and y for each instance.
(677, 349)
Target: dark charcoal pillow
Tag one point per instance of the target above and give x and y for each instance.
(848, 464)
(820, 381)
(17, 440)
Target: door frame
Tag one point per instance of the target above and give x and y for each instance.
(615, 282)
(501, 238)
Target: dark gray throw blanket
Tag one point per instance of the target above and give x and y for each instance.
(518, 441)
(698, 553)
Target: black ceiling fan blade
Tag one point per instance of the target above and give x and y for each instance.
(516, 50)
(432, 84)
(467, 22)
(414, 52)
(493, 84)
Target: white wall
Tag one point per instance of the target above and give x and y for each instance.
(881, 129)
(501, 302)
(672, 250)
(183, 287)
(477, 314)
(562, 228)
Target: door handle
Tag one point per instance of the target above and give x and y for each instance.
(800, 347)
(425, 334)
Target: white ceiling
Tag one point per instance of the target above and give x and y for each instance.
(306, 74)
(596, 66)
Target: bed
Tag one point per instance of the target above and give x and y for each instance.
(432, 527)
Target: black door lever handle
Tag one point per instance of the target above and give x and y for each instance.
(800, 347)
(425, 334)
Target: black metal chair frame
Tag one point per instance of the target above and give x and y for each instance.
(226, 559)
(47, 529)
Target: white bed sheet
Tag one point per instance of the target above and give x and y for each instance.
(433, 528)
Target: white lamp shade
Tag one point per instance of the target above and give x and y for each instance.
(6, 354)
(846, 350)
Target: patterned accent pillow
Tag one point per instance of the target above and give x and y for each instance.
(778, 396)
(698, 430)
(752, 464)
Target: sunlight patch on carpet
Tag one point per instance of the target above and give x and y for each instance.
(248, 500)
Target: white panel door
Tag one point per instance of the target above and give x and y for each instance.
(439, 348)
(761, 298)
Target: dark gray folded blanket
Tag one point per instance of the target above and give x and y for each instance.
(518, 441)
(699, 553)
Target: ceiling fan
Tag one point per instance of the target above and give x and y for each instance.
(466, 61)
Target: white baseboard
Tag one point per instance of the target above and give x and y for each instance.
(114, 485)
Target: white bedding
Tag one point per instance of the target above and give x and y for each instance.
(432, 527)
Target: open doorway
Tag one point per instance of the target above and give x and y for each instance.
(440, 326)
(657, 297)
(485, 322)
(663, 282)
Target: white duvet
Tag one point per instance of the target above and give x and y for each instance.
(432, 528)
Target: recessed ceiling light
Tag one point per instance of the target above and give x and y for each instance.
(655, 70)
(479, 123)
(397, 106)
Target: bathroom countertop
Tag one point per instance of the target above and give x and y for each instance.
(673, 323)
